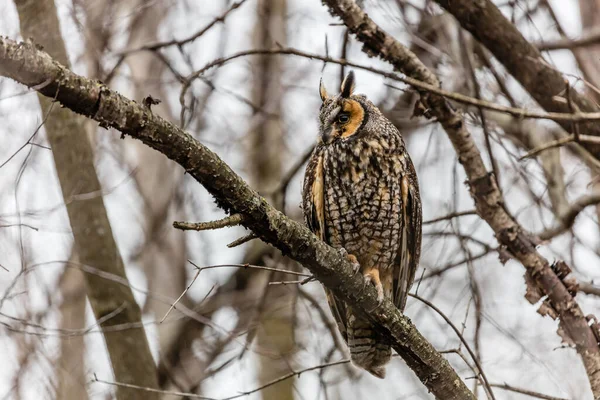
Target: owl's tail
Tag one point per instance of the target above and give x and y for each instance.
(366, 349)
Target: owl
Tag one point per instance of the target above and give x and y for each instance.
(361, 196)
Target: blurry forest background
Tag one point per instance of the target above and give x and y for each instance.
(242, 331)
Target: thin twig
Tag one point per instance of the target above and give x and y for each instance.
(232, 220)
(182, 294)
(151, 390)
(298, 282)
(567, 220)
(179, 43)
(516, 112)
(561, 142)
(450, 216)
(525, 392)
(587, 38)
(249, 266)
(463, 357)
(329, 323)
(287, 178)
(589, 288)
(483, 56)
(572, 108)
(237, 396)
(438, 272)
(288, 376)
(20, 225)
(242, 240)
(468, 56)
(462, 339)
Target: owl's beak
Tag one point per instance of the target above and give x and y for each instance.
(327, 134)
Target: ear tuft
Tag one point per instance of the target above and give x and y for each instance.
(323, 91)
(348, 85)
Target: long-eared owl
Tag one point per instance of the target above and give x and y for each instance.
(361, 195)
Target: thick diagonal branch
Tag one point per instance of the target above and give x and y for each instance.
(483, 186)
(32, 67)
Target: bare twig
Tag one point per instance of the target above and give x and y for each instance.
(242, 240)
(150, 390)
(160, 45)
(327, 321)
(484, 380)
(450, 216)
(525, 392)
(421, 85)
(442, 270)
(288, 376)
(232, 220)
(468, 56)
(249, 267)
(562, 142)
(297, 282)
(589, 288)
(237, 396)
(567, 220)
(287, 178)
(586, 39)
(181, 296)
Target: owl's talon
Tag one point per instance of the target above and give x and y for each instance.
(354, 262)
(352, 259)
(372, 277)
(380, 296)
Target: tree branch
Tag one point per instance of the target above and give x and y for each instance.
(587, 38)
(567, 220)
(26, 64)
(521, 113)
(483, 187)
(232, 220)
(180, 43)
(522, 59)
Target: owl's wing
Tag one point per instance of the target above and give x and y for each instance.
(407, 259)
(314, 215)
(312, 196)
(338, 309)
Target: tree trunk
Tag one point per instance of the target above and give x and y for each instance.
(275, 332)
(128, 349)
(70, 366)
(163, 254)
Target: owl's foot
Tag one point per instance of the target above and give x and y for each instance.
(354, 262)
(372, 276)
(352, 258)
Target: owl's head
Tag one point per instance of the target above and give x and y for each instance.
(344, 116)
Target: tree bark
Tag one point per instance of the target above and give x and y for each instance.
(128, 349)
(32, 67)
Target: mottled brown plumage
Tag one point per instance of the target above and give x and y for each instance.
(361, 195)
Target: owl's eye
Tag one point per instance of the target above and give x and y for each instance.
(343, 118)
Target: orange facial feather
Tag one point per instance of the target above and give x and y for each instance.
(357, 115)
